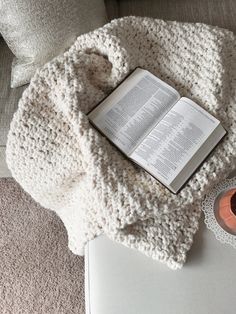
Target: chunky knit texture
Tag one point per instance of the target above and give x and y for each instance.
(67, 166)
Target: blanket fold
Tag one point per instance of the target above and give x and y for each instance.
(68, 167)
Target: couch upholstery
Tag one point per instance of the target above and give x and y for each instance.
(8, 102)
(215, 12)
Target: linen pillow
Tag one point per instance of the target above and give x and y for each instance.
(37, 31)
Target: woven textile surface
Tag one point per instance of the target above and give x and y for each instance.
(67, 166)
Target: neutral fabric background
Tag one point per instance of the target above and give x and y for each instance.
(37, 31)
(216, 12)
(8, 101)
(8, 96)
(38, 273)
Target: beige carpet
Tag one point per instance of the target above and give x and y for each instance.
(38, 274)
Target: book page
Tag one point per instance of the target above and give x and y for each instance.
(198, 157)
(133, 109)
(174, 140)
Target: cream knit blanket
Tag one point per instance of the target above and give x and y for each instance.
(67, 166)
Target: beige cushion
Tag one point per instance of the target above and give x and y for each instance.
(37, 31)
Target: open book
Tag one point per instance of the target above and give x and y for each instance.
(151, 124)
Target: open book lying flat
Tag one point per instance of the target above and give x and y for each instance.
(151, 124)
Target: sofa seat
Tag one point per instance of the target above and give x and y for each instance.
(121, 280)
(8, 102)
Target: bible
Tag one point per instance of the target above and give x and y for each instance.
(169, 136)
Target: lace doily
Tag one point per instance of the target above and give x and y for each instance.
(210, 208)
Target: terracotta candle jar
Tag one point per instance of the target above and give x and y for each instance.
(227, 209)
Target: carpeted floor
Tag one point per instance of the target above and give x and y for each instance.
(38, 274)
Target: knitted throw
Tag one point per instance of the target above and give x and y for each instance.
(67, 166)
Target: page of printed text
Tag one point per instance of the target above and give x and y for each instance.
(174, 140)
(133, 109)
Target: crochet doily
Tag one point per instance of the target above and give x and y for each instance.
(210, 209)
